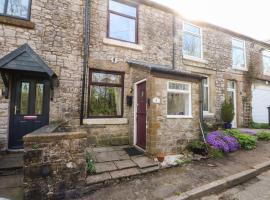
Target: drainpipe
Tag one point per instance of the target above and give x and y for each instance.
(269, 115)
(173, 58)
(85, 53)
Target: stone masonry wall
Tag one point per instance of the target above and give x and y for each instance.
(54, 165)
(57, 38)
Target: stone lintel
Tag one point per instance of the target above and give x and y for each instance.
(105, 121)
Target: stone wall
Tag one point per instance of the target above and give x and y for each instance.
(54, 165)
(57, 38)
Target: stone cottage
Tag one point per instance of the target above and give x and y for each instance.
(134, 72)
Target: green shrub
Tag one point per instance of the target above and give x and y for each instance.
(263, 135)
(232, 131)
(247, 142)
(227, 111)
(215, 153)
(197, 147)
(259, 125)
(91, 169)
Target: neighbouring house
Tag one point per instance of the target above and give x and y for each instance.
(134, 72)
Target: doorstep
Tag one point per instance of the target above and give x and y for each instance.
(113, 163)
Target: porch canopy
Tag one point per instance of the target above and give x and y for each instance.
(164, 69)
(24, 59)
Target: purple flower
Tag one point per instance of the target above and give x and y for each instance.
(218, 140)
(248, 131)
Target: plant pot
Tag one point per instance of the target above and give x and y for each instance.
(227, 125)
(161, 157)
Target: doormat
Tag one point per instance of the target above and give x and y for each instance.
(132, 151)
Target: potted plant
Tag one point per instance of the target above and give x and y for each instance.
(161, 157)
(227, 113)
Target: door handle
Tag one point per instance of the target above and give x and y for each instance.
(15, 110)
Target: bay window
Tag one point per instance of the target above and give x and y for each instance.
(15, 8)
(238, 54)
(192, 40)
(122, 21)
(266, 62)
(178, 100)
(106, 94)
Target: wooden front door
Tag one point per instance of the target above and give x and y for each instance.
(141, 115)
(29, 108)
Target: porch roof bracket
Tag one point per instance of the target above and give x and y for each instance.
(6, 84)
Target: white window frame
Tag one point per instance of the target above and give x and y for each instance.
(268, 56)
(208, 86)
(201, 37)
(245, 55)
(180, 92)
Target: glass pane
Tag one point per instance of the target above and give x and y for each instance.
(205, 81)
(18, 8)
(178, 104)
(178, 86)
(105, 101)
(106, 78)
(192, 45)
(2, 5)
(192, 29)
(266, 64)
(39, 98)
(205, 99)
(231, 84)
(122, 28)
(238, 57)
(24, 104)
(238, 43)
(231, 96)
(266, 53)
(123, 8)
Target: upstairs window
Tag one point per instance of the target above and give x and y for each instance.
(266, 62)
(122, 22)
(178, 100)
(15, 8)
(238, 54)
(192, 40)
(106, 94)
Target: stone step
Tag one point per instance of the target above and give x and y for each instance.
(144, 162)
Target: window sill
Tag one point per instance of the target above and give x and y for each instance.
(17, 22)
(266, 74)
(122, 44)
(208, 115)
(239, 68)
(179, 117)
(191, 58)
(105, 121)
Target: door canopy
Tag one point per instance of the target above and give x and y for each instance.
(24, 59)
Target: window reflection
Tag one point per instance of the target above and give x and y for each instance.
(24, 104)
(39, 98)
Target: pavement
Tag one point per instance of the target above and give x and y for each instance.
(254, 189)
(175, 181)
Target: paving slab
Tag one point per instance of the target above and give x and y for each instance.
(107, 156)
(102, 149)
(11, 161)
(98, 178)
(149, 169)
(122, 164)
(144, 162)
(125, 173)
(123, 155)
(105, 167)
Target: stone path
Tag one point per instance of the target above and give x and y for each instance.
(255, 189)
(174, 181)
(112, 163)
(11, 176)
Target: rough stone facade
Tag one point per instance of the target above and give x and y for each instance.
(54, 165)
(57, 38)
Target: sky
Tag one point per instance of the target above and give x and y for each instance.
(249, 17)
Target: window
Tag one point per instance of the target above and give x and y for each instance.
(266, 62)
(179, 99)
(24, 101)
(15, 8)
(192, 40)
(206, 95)
(122, 22)
(238, 54)
(106, 94)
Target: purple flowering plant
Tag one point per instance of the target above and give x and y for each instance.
(221, 141)
(248, 131)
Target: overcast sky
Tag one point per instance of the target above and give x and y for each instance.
(249, 17)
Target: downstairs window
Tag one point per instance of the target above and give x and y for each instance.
(105, 94)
